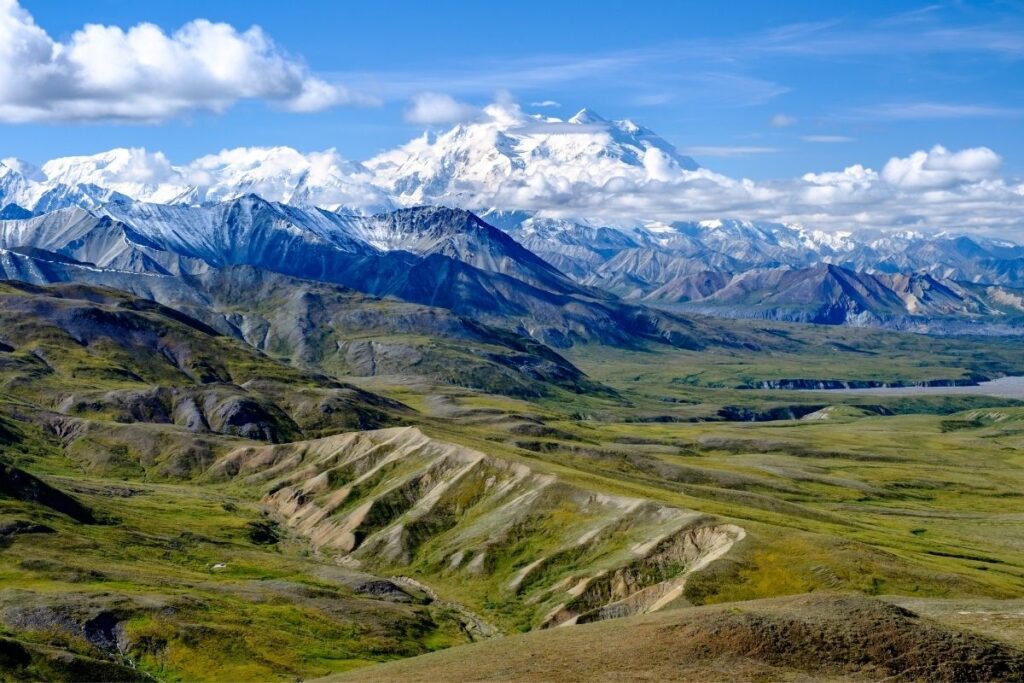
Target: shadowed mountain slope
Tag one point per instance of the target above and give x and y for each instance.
(332, 329)
(77, 354)
(833, 295)
(437, 257)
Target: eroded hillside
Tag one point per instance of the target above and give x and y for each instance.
(399, 501)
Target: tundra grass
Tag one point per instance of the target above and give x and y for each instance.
(927, 503)
(203, 600)
(918, 496)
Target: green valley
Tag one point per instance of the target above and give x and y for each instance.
(155, 530)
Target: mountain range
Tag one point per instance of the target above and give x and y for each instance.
(381, 228)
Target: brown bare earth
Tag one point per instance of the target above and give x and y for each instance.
(808, 637)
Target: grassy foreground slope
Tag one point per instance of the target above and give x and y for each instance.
(805, 638)
(851, 492)
(183, 583)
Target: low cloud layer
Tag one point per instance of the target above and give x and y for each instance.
(929, 191)
(143, 74)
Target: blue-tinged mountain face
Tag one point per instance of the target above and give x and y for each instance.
(448, 258)
(556, 281)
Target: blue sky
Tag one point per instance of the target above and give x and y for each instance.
(759, 90)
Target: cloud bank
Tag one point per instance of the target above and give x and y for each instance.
(143, 74)
(928, 191)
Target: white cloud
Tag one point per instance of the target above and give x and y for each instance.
(317, 95)
(434, 108)
(782, 121)
(827, 138)
(546, 104)
(106, 72)
(941, 168)
(659, 165)
(851, 185)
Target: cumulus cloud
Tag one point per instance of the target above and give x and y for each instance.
(317, 95)
(782, 121)
(142, 73)
(941, 168)
(434, 108)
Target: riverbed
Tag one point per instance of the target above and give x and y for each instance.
(1004, 387)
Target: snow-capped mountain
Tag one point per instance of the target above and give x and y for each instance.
(644, 258)
(97, 241)
(477, 164)
(462, 236)
(454, 259)
(318, 179)
(428, 255)
(132, 173)
(282, 174)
